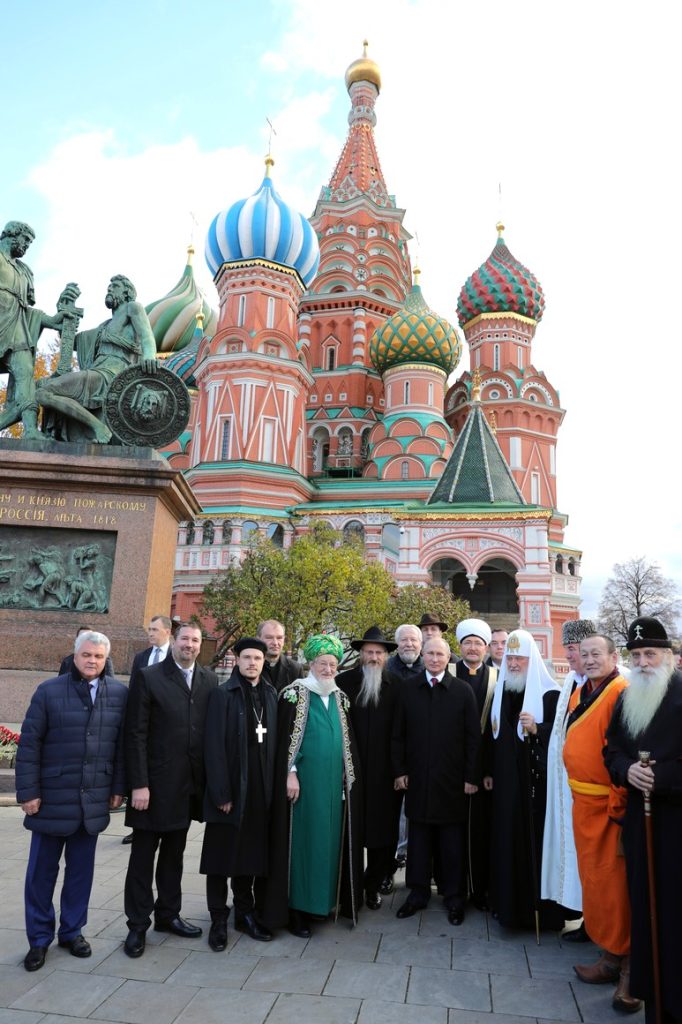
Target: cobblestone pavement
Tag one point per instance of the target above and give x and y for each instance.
(385, 971)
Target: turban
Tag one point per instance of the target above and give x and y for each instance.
(473, 627)
(322, 643)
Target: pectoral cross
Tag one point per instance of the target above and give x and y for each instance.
(260, 731)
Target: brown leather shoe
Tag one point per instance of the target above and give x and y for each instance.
(605, 971)
(622, 1000)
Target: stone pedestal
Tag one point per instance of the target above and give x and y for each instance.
(87, 537)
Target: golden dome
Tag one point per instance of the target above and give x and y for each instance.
(363, 70)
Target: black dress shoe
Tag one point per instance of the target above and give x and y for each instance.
(298, 925)
(409, 909)
(127, 839)
(373, 900)
(386, 887)
(78, 946)
(576, 935)
(178, 926)
(250, 926)
(35, 958)
(217, 935)
(134, 943)
(456, 915)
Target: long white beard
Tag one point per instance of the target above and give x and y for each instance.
(642, 698)
(409, 657)
(515, 681)
(371, 685)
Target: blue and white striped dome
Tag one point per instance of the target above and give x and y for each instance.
(263, 227)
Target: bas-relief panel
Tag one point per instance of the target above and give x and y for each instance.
(50, 568)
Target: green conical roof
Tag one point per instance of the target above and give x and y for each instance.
(477, 471)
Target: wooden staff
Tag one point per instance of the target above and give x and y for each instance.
(645, 758)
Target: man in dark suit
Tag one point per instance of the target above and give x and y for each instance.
(165, 765)
(159, 636)
(372, 695)
(436, 736)
(69, 773)
(279, 670)
(67, 662)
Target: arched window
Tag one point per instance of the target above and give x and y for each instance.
(364, 444)
(404, 470)
(354, 532)
(241, 311)
(496, 357)
(345, 447)
(407, 393)
(275, 534)
(249, 531)
(571, 567)
(331, 358)
(390, 538)
(207, 533)
(559, 564)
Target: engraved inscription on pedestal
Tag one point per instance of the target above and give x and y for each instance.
(50, 568)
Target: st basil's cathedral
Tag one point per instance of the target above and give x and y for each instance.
(320, 391)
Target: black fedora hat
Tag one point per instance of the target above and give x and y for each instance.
(428, 619)
(373, 636)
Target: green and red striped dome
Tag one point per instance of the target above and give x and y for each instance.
(501, 285)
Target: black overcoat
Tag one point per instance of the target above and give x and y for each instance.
(226, 751)
(284, 671)
(373, 728)
(663, 739)
(435, 743)
(164, 744)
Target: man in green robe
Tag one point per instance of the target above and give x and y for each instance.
(316, 818)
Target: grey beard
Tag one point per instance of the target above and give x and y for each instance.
(409, 657)
(370, 690)
(515, 681)
(642, 698)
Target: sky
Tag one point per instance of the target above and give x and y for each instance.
(127, 127)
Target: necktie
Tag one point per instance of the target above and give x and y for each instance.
(433, 681)
(156, 655)
(188, 677)
(93, 691)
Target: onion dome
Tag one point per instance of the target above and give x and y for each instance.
(183, 363)
(263, 227)
(363, 70)
(173, 318)
(415, 334)
(501, 285)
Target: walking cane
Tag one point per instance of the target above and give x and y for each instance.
(531, 825)
(645, 757)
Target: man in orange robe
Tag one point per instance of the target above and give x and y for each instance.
(598, 807)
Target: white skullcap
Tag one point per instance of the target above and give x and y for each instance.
(473, 627)
(538, 680)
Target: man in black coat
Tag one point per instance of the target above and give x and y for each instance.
(159, 632)
(279, 669)
(407, 662)
(372, 695)
(648, 717)
(239, 753)
(69, 773)
(436, 736)
(165, 766)
(473, 636)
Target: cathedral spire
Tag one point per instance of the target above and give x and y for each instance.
(358, 169)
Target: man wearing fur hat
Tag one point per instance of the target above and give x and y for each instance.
(372, 694)
(648, 717)
(316, 848)
(473, 636)
(560, 878)
(239, 751)
(521, 719)
(598, 807)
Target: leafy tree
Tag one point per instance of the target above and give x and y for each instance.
(317, 585)
(637, 587)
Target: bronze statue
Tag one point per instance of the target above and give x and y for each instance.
(20, 327)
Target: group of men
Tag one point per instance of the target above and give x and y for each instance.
(517, 793)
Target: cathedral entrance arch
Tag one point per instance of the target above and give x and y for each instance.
(495, 589)
(451, 574)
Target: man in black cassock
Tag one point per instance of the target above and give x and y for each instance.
(473, 636)
(372, 694)
(434, 748)
(648, 717)
(521, 719)
(239, 752)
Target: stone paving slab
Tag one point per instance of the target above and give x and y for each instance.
(492, 956)
(533, 997)
(333, 944)
(420, 950)
(374, 1012)
(462, 990)
(295, 1009)
(368, 981)
(138, 1002)
(157, 964)
(15, 983)
(22, 1017)
(594, 1003)
(64, 992)
(213, 970)
(305, 977)
(209, 1007)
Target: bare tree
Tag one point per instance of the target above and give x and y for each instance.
(637, 587)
